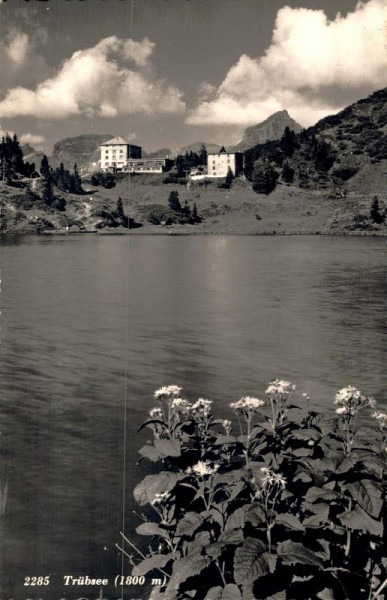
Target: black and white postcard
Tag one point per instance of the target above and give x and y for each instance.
(193, 218)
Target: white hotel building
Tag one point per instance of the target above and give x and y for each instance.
(116, 152)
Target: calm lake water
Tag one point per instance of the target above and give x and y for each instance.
(90, 322)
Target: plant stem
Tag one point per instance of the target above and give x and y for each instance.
(221, 573)
(268, 534)
(380, 589)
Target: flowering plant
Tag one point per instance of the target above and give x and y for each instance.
(283, 508)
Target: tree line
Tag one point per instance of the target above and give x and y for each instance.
(62, 178)
(11, 160)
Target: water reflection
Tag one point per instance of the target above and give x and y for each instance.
(88, 321)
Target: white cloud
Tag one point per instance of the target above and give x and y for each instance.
(312, 68)
(18, 47)
(20, 59)
(32, 139)
(114, 77)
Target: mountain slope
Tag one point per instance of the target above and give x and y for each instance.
(347, 150)
(270, 129)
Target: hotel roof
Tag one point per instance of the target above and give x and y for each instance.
(119, 141)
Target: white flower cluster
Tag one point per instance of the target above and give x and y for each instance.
(381, 418)
(156, 413)
(247, 404)
(180, 405)
(280, 387)
(161, 498)
(167, 391)
(203, 468)
(227, 425)
(272, 479)
(202, 407)
(350, 400)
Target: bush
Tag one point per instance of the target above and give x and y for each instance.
(264, 177)
(171, 178)
(292, 505)
(106, 180)
(345, 173)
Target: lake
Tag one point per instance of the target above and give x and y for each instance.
(91, 323)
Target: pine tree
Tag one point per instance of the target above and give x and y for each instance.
(194, 214)
(120, 209)
(287, 174)
(174, 202)
(203, 155)
(77, 181)
(288, 142)
(61, 180)
(45, 167)
(229, 178)
(47, 191)
(376, 215)
(186, 209)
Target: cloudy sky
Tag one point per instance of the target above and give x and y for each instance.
(165, 73)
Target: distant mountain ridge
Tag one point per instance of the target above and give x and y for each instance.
(270, 129)
(82, 149)
(196, 147)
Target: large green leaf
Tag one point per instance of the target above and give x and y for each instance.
(235, 490)
(307, 434)
(151, 485)
(231, 536)
(347, 464)
(149, 451)
(255, 515)
(230, 592)
(200, 541)
(249, 564)
(318, 467)
(368, 494)
(359, 519)
(373, 465)
(290, 521)
(302, 451)
(236, 519)
(320, 514)
(157, 561)
(149, 528)
(166, 447)
(184, 568)
(230, 477)
(224, 439)
(189, 524)
(292, 553)
(326, 594)
(315, 494)
(214, 593)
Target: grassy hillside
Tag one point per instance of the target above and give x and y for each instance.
(288, 210)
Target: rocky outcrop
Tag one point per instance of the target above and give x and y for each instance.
(269, 130)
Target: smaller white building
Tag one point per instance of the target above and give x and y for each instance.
(147, 165)
(116, 152)
(219, 163)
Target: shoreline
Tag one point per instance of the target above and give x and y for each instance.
(198, 233)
